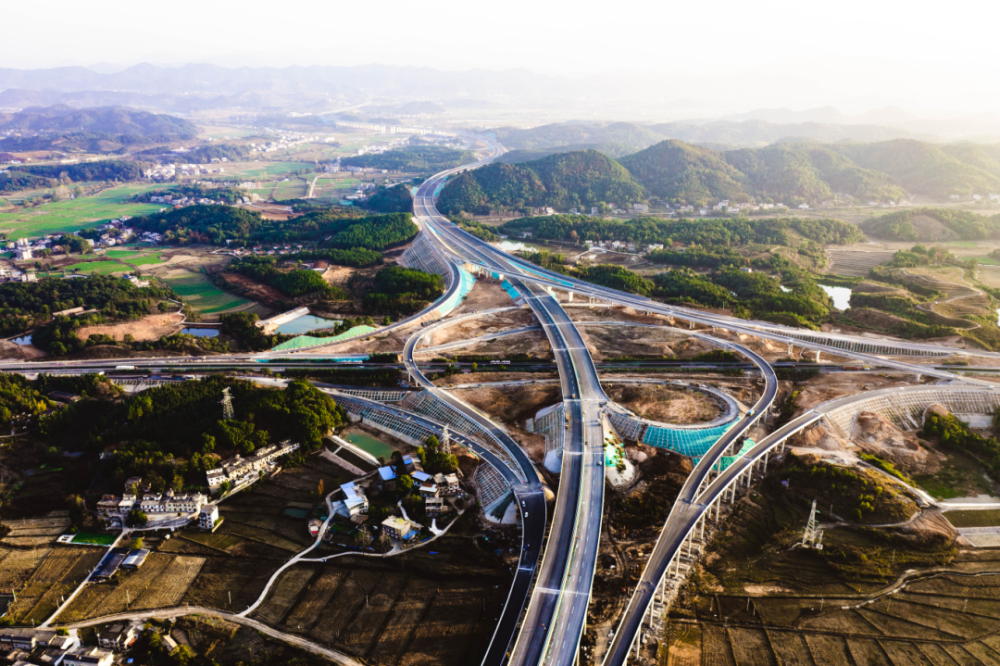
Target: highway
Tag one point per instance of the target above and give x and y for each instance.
(556, 615)
(529, 494)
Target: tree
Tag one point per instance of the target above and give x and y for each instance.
(136, 543)
(364, 537)
(386, 321)
(383, 542)
(404, 484)
(77, 509)
(225, 487)
(136, 518)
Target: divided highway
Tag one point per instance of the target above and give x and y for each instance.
(556, 615)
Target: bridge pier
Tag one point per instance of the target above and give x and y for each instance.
(690, 325)
(818, 352)
(789, 349)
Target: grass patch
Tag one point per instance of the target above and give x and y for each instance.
(121, 254)
(201, 294)
(886, 467)
(95, 539)
(99, 267)
(959, 476)
(971, 518)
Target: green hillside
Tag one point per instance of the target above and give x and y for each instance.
(562, 180)
(932, 224)
(923, 168)
(678, 171)
(793, 174)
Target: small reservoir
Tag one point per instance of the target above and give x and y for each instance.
(306, 323)
(201, 332)
(369, 444)
(841, 296)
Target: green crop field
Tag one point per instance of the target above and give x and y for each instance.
(99, 267)
(146, 259)
(200, 293)
(121, 254)
(96, 539)
(76, 214)
(275, 169)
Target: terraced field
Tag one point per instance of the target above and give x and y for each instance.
(198, 290)
(856, 263)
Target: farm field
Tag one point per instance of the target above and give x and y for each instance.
(260, 170)
(75, 214)
(161, 582)
(754, 600)
(98, 267)
(146, 260)
(417, 608)
(57, 574)
(198, 290)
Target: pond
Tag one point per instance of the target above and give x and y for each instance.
(306, 323)
(23, 340)
(295, 512)
(841, 296)
(201, 332)
(369, 444)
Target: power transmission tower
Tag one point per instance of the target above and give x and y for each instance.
(813, 534)
(227, 405)
(445, 446)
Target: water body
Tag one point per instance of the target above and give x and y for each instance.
(295, 512)
(841, 296)
(23, 340)
(306, 323)
(369, 444)
(201, 332)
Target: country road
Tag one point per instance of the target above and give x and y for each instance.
(167, 613)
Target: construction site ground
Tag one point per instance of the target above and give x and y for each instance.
(481, 327)
(529, 342)
(513, 406)
(665, 403)
(150, 327)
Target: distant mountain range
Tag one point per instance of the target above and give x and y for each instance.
(622, 138)
(108, 120)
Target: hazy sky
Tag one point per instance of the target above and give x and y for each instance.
(545, 36)
(855, 54)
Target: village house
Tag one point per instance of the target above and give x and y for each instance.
(398, 528)
(237, 468)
